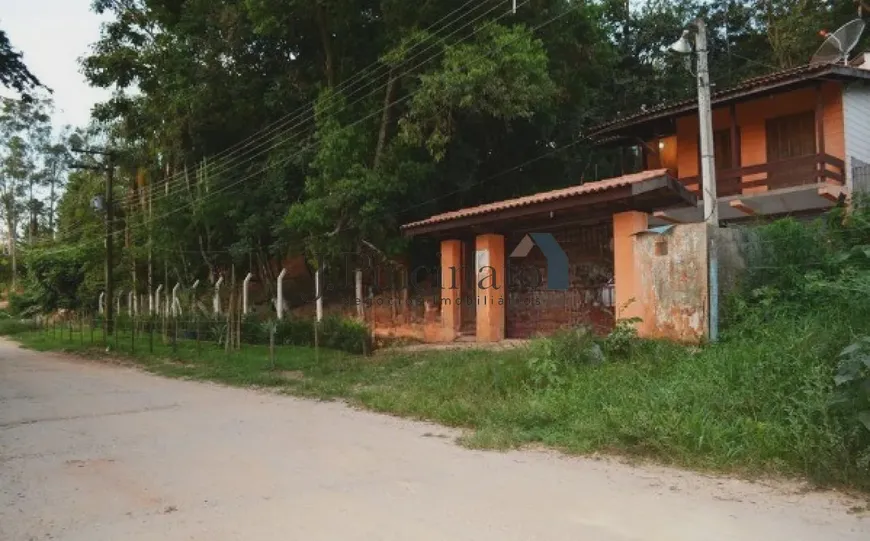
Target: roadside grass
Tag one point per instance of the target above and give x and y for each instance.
(754, 404)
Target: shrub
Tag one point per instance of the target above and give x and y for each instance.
(551, 358)
(335, 333)
(622, 339)
(851, 397)
(10, 327)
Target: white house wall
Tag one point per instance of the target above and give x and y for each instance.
(856, 114)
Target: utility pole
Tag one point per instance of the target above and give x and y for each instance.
(109, 203)
(708, 175)
(708, 164)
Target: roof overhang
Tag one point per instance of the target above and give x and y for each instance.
(795, 200)
(647, 191)
(776, 82)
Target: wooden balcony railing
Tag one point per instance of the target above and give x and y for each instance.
(812, 169)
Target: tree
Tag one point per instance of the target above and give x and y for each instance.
(23, 124)
(13, 73)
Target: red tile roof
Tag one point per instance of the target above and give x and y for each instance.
(543, 197)
(754, 85)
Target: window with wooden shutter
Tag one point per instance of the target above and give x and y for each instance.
(791, 136)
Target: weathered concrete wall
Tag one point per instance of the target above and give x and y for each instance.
(672, 275)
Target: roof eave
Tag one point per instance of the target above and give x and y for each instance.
(728, 96)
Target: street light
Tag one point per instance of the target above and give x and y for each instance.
(708, 160)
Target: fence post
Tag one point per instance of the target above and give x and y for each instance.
(93, 322)
(151, 334)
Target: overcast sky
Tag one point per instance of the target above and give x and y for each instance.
(53, 35)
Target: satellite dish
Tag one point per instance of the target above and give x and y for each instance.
(839, 44)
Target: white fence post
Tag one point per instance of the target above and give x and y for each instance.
(279, 302)
(217, 295)
(193, 296)
(176, 304)
(245, 284)
(157, 299)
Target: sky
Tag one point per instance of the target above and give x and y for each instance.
(53, 35)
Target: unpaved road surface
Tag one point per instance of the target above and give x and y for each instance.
(91, 452)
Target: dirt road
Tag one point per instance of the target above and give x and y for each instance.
(91, 452)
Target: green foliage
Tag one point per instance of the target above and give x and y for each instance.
(502, 75)
(622, 340)
(552, 359)
(852, 380)
(335, 332)
(13, 72)
(14, 326)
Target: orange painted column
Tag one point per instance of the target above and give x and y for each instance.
(626, 279)
(451, 289)
(491, 274)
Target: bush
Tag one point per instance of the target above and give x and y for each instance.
(335, 333)
(10, 327)
(550, 359)
(24, 304)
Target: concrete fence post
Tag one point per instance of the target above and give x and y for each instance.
(157, 299)
(279, 302)
(176, 304)
(245, 284)
(217, 295)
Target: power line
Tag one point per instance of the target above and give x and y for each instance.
(287, 159)
(307, 114)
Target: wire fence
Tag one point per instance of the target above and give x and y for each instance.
(189, 337)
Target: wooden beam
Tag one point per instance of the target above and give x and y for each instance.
(735, 137)
(820, 121)
(832, 194)
(739, 205)
(663, 216)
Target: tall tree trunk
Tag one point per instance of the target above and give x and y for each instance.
(128, 237)
(327, 42)
(386, 118)
(12, 250)
(31, 229)
(51, 203)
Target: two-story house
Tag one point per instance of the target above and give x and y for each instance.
(795, 142)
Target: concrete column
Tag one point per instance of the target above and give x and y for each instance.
(625, 278)
(491, 273)
(451, 289)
